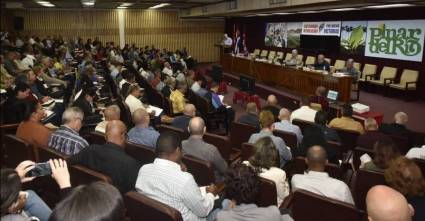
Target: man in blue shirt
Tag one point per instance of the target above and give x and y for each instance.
(142, 133)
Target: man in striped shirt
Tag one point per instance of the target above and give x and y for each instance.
(66, 139)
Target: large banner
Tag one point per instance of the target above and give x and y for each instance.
(294, 32)
(275, 35)
(353, 37)
(330, 28)
(396, 39)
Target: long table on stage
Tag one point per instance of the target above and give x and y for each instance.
(303, 82)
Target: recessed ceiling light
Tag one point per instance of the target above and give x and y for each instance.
(389, 6)
(308, 12)
(261, 14)
(122, 7)
(282, 13)
(342, 9)
(126, 4)
(159, 5)
(45, 4)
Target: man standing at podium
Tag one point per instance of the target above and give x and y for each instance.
(227, 43)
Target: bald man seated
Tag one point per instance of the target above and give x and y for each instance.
(112, 112)
(250, 116)
(182, 121)
(316, 180)
(110, 158)
(398, 127)
(386, 204)
(272, 106)
(142, 133)
(287, 126)
(198, 148)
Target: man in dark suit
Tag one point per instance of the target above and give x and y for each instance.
(110, 158)
(372, 135)
(250, 117)
(182, 121)
(86, 104)
(272, 106)
(322, 64)
(398, 128)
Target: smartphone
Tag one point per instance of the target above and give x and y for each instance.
(40, 169)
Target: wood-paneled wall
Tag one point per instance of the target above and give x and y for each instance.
(72, 23)
(163, 29)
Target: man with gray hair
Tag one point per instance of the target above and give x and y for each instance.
(197, 147)
(66, 139)
(316, 180)
(112, 112)
(350, 69)
(294, 59)
(272, 106)
(250, 116)
(372, 135)
(398, 127)
(287, 126)
(182, 121)
(142, 133)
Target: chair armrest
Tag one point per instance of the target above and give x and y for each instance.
(287, 203)
(391, 80)
(410, 82)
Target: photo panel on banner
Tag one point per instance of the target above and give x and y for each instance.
(276, 35)
(353, 37)
(294, 32)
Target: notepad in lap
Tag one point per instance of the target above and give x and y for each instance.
(204, 192)
(157, 110)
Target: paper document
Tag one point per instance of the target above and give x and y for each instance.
(221, 98)
(204, 192)
(58, 100)
(157, 110)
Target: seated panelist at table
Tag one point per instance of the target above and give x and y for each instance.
(294, 60)
(322, 64)
(350, 69)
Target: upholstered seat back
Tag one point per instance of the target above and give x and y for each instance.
(310, 60)
(339, 64)
(409, 76)
(387, 72)
(368, 69)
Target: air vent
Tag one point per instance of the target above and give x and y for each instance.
(277, 1)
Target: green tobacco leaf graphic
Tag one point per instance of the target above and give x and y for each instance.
(356, 37)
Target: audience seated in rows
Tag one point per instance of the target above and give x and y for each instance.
(320, 121)
(14, 105)
(347, 122)
(170, 84)
(142, 133)
(218, 105)
(182, 122)
(266, 122)
(177, 98)
(384, 153)
(133, 99)
(266, 160)
(371, 135)
(386, 204)
(66, 138)
(320, 98)
(305, 112)
(112, 112)
(110, 158)
(406, 177)
(318, 181)
(86, 103)
(198, 86)
(250, 116)
(197, 147)
(272, 106)
(242, 186)
(33, 114)
(166, 181)
(286, 125)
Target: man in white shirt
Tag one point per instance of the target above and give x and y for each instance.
(165, 180)
(285, 125)
(318, 181)
(304, 112)
(227, 41)
(167, 69)
(416, 152)
(133, 102)
(112, 112)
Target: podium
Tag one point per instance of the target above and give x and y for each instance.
(223, 49)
